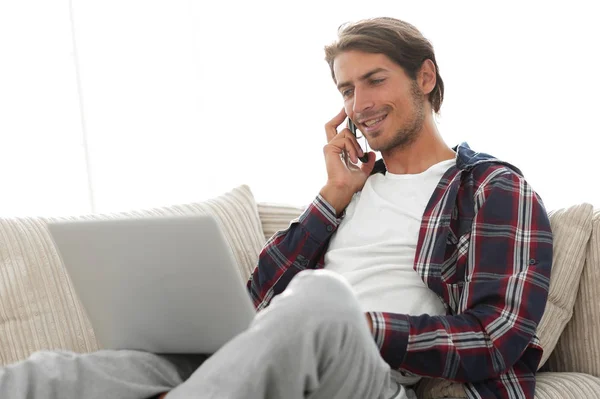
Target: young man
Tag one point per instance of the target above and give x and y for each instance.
(430, 262)
(447, 251)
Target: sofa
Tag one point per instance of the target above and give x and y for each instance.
(40, 310)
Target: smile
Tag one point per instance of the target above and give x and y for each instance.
(373, 124)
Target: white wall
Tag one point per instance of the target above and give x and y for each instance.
(184, 100)
(42, 165)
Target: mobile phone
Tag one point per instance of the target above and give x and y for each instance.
(352, 128)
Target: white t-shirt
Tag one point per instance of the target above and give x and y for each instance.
(375, 244)
(374, 248)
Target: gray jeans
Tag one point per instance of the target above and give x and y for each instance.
(311, 342)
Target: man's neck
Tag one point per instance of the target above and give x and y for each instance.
(427, 150)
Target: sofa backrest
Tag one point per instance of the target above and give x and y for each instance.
(276, 217)
(578, 349)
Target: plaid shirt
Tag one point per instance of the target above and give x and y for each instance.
(484, 247)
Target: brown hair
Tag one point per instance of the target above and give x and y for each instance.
(398, 40)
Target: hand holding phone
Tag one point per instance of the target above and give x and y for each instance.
(344, 178)
(352, 128)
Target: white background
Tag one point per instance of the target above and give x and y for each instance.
(113, 105)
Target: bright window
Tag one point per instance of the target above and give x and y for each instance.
(183, 100)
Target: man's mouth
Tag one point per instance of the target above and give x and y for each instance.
(373, 124)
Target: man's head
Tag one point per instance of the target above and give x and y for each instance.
(384, 67)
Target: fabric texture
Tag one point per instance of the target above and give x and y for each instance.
(98, 375)
(314, 339)
(276, 217)
(571, 228)
(436, 388)
(567, 386)
(483, 215)
(578, 349)
(39, 308)
(374, 245)
(312, 343)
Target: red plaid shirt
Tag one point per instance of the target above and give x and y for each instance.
(484, 247)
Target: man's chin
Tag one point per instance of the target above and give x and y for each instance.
(374, 135)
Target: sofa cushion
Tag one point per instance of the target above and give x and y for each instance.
(578, 349)
(571, 230)
(435, 388)
(276, 217)
(38, 306)
(548, 386)
(567, 385)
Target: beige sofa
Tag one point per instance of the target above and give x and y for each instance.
(39, 309)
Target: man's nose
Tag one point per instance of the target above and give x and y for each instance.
(362, 101)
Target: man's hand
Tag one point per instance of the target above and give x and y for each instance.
(343, 180)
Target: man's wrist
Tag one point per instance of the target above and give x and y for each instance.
(337, 197)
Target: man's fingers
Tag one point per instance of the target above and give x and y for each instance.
(352, 147)
(344, 141)
(368, 166)
(354, 143)
(332, 125)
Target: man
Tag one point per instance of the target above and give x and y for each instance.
(467, 226)
(430, 262)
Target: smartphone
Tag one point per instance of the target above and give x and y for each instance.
(352, 128)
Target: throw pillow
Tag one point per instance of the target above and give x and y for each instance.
(276, 217)
(566, 385)
(578, 349)
(39, 309)
(571, 230)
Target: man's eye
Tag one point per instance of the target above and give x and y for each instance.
(377, 81)
(347, 93)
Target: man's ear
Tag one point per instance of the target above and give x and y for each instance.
(427, 76)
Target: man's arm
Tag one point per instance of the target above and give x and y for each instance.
(303, 244)
(503, 297)
(300, 247)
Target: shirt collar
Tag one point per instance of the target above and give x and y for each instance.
(466, 159)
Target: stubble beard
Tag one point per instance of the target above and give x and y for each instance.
(406, 135)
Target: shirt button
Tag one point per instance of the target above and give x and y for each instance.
(329, 228)
(532, 261)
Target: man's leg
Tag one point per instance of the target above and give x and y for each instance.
(103, 374)
(312, 342)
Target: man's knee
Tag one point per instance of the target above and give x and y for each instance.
(325, 294)
(324, 285)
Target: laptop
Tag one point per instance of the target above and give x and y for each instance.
(159, 284)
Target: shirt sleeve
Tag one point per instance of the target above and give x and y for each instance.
(503, 297)
(300, 247)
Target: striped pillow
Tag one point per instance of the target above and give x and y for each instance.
(276, 217)
(567, 385)
(571, 229)
(38, 306)
(578, 349)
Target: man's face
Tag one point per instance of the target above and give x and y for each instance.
(385, 104)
